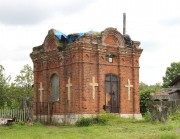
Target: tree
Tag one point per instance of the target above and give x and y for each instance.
(23, 84)
(157, 86)
(4, 85)
(143, 86)
(12, 95)
(171, 73)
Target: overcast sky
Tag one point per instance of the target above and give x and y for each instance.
(155, 23)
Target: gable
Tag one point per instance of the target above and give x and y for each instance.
(51, 41)
(111, 37)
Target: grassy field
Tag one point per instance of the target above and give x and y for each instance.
(116, 128)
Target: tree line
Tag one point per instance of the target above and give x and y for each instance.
(19, 92)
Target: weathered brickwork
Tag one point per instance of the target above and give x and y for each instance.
(82, 62)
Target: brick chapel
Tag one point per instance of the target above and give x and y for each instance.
(83, 74)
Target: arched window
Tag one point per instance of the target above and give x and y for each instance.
(54, 88)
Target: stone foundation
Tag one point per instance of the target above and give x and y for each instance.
(72, 118)
(62, 119)
(136, 116)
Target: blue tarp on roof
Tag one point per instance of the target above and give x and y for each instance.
(71, 37)
(59, 35)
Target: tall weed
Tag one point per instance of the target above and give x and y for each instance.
(100, 119)
(175, 116)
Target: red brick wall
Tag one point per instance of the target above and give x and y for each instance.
(80, 61)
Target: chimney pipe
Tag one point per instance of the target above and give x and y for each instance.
(124, 23)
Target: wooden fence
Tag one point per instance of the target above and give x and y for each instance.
(20, 114)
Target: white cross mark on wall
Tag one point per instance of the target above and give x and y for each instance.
(41, 89)
(129, 88)
(69, 88)
(93, 84)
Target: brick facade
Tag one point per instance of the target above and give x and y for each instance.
(105, 59)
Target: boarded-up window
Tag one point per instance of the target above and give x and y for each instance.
(55, 88)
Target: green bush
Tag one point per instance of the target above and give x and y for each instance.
(105, 118)
(145, 95)
(145, 98)
(100, 119)
(84, 122)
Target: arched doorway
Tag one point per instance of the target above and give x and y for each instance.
(112, 93)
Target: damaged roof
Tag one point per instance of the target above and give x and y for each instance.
(70, 37)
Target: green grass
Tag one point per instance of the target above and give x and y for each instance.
(116, 128)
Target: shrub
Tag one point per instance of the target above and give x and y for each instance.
(84, 122)
(105, 118)
(145, 95)
(101, 119)
(145, 99)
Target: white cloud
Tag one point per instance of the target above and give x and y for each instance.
(22, 12)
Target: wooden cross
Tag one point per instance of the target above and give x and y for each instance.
(69, 88)
(41, 89)
(129, 88)
(93, 84)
